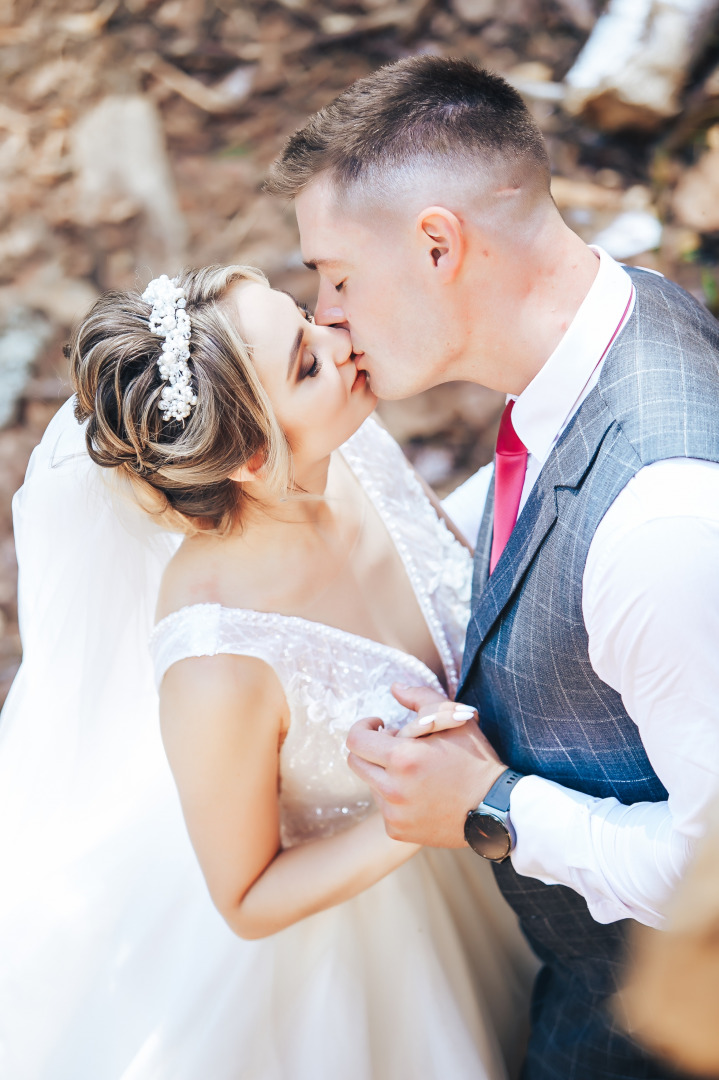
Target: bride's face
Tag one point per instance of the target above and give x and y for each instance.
(318, 396)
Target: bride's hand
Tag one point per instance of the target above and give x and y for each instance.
(434, 712)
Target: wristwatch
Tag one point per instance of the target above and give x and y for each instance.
(488, 829)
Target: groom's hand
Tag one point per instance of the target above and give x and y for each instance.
(424, 787)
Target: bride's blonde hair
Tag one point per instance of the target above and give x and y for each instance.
(178, 469)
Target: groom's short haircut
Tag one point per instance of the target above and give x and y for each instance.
(423, 110)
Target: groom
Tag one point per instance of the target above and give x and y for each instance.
(422, 195)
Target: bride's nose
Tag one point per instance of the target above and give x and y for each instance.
(341, 345)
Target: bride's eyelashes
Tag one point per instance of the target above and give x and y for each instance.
(310, 371)
(304, 308)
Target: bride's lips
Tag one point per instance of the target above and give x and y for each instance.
(361, 378)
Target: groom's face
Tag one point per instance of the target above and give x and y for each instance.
(372, 283)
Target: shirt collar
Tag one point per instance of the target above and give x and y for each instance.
(547, 404)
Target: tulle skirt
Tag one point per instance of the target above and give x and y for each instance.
(422, 977)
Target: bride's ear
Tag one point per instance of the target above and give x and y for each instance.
(441, 234)
(245, 474)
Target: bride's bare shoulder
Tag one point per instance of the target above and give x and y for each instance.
(198, 573)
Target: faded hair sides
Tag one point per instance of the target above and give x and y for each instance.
(404, 115)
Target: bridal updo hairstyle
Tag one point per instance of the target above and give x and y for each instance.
(178, 469)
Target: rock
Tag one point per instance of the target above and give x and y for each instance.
(624, 223)
(584, 195)
(406, 15)
(119, 154)
(579, 12)
(338, 23)
(22, 239)
(631, 233)
(88, 23)
(696, 198)
(21, 343)
(636, 62)
(223, 97)
(474, 12)
(529, 71)
(49, 289)
(534, 81)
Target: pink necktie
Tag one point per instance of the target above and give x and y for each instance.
(510, 466)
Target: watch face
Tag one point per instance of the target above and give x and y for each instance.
(488, 836)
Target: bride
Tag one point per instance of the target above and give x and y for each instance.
(313, 572)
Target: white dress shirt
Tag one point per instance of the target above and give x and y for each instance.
(650, 602)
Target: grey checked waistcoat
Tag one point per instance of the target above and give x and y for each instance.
(526, 666)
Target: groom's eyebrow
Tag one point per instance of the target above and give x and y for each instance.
(315, 264)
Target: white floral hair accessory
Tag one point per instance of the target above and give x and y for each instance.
(170, 321)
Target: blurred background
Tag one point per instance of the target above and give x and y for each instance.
(135, 136)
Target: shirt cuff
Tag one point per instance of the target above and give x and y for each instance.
(548, 819)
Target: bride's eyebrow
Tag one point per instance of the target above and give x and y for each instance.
(304, 308)
(295, 350)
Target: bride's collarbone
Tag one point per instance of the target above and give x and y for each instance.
(254, 569)
(307, 576)
(351, 578)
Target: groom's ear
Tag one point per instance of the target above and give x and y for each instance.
(441, 234)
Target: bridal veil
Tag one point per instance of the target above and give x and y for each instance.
(113, 957)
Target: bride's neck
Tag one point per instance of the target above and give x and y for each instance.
(310, 502)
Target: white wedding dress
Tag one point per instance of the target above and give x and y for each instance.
(119, 968)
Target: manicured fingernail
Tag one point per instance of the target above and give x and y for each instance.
(401, 686)
(463, 712)
(427, 719)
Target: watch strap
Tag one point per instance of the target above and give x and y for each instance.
(499, 794)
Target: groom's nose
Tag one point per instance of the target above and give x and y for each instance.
(328, 312)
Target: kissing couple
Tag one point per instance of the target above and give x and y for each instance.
(541, 711)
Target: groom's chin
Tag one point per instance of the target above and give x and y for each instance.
(389, 381)
(388, 389)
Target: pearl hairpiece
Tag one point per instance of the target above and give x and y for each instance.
(170, 321)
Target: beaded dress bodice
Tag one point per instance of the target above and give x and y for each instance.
(332, 677)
